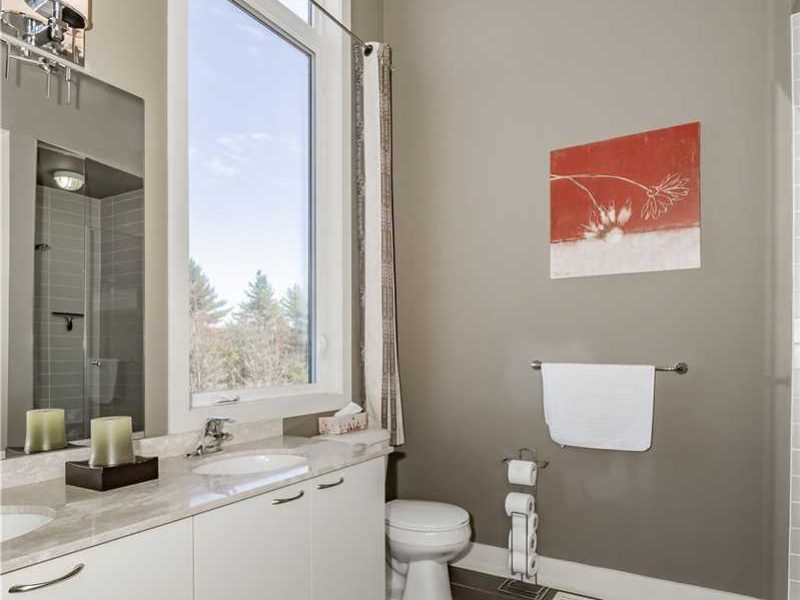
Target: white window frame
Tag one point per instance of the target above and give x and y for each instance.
(330, 51)
(5, 270)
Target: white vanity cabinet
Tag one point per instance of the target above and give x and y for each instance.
(347, 517)
(255, 549)
(155, 564)
(321, 539)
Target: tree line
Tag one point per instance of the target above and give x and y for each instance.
(263, 341)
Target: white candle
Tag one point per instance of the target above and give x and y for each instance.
(112, 441)
(45, 430)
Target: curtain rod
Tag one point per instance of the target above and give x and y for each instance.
(367, 47)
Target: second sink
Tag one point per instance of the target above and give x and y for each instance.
(17, 521)
(253, 464)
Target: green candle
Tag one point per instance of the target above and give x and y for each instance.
(44, 430)
(112, 441)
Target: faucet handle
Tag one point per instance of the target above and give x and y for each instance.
(214, 425)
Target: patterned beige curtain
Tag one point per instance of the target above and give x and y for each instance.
(372, 101)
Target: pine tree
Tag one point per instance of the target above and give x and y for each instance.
(294, 306)
(295, 310)
(262, 336)
(208, 348)
(203, 301)
(260, 306)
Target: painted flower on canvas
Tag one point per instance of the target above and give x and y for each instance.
(626, 205)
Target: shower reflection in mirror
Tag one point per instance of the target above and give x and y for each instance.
(88, 290)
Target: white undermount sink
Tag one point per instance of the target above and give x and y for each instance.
(289, 465)
(17, 522)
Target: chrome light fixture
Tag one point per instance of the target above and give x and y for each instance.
(48, 34)
(71, 181)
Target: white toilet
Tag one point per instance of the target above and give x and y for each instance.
(423, 537)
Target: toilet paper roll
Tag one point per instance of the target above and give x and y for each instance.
(533, 565)
(517, 564)
(517, 502)
(518, 542)
(522, 472)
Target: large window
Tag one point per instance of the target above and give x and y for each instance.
(250, 217)
(259, 210)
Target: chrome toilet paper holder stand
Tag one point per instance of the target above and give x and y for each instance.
(540, 464)
(523, 454)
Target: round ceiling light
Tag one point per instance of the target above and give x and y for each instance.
(70, 181)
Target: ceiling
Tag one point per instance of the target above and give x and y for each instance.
(102, 181)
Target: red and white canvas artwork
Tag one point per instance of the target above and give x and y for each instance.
(626, 205)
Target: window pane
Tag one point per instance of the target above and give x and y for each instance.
(249, 202)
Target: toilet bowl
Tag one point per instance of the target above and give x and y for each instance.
(422, 538)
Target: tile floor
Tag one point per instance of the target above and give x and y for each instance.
(470, 585)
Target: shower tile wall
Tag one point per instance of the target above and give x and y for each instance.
(60, 286)
(121, 344)
(101, 239)
(794, 545)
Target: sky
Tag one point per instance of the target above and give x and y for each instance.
(249, 150)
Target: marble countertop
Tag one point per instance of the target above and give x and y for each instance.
(84, 518)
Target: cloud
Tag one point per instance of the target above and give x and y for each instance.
(220, 169)
(245, 146)
(232, 155)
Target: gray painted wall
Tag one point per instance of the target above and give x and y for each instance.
(103, 122)
(483, 92)
(367, 19)
(779, 381)
(22, 213)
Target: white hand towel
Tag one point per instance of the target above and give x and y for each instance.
(608, 407)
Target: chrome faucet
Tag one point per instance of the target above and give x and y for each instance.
(212, 437)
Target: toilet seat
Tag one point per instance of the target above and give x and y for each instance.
(429, 539)
(424, 516)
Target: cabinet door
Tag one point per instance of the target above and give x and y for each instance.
(156, 565)
(256, 549)
(348, 530)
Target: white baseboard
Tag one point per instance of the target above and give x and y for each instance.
(591, 581)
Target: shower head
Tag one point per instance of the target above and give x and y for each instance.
(42, 247)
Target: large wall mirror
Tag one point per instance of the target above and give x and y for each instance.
(74, 200)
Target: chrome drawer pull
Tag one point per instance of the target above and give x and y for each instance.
(327, 486)
(30, 587)
(300, 494)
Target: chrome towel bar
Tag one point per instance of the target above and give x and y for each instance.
(680, 368)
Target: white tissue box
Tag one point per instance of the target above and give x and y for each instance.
(342, 424)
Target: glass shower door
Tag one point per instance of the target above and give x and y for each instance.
(114, 325)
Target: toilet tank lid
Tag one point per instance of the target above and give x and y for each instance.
(421, 515)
